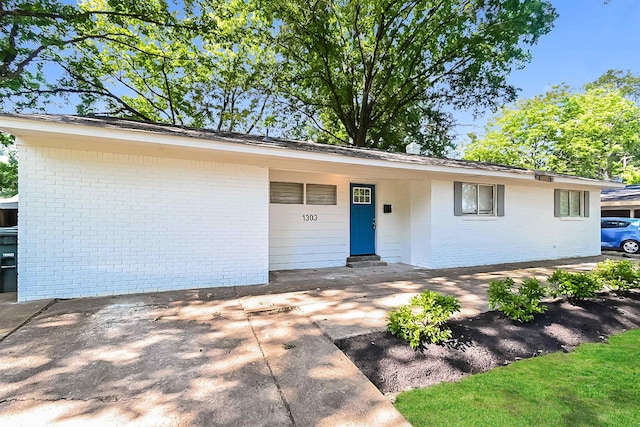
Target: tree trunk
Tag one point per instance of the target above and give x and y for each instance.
(360, 138)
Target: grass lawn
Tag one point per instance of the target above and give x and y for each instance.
(595, 385)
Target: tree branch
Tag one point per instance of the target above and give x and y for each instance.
(168, 89)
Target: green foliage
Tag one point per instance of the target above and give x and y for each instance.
(35, 33)
(624, 81)
(205, 64)
(218, 78)
(30, 30)
(617, 275)
(375, 73)
(596, 384)
(8, 168)
(521, 304)
(591, 133)
(575, 286)
(423, 318)
(631, 175)
(382, 71)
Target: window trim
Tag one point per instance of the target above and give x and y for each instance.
(291, 185)
(584, 203)
(498, 200)
(332, 187)
(304, 200)
(477, 212)
(366, 196)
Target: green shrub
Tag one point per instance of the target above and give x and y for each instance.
(521, 304)
(423, 318)
(575, 286)
(617, 275)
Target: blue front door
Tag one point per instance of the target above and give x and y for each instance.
(363, 219)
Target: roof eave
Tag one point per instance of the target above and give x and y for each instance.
(23, 124)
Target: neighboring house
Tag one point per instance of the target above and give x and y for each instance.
(110, 206)
(8, 239)
(9, 212)
(621, 202)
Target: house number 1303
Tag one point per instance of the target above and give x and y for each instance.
(309, 218)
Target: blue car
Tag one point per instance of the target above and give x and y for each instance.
(620, 233)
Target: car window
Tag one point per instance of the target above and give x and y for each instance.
(614, 224)
(608, 224)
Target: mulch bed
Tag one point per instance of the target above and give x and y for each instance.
(490, 340)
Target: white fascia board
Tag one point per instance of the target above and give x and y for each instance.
(15, 125)
(586, 181)
(630, 203)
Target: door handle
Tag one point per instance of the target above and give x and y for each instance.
(374, 224)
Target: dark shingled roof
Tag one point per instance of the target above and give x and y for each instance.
(238, 138)
(628, 193)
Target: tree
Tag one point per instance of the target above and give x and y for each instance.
(374, 73)
(218, 78)
(592, 133)
(626, 82)
(205, 66)
(8, 166)
(629, 85)
(35, 33)
(378, 73)
(631, 175)
(522, 135)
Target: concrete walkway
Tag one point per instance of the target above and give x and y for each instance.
(254, 355)
(346, 302)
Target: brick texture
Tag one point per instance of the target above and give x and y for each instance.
(94, 223)
(528, 231)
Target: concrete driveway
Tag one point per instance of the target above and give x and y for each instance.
(244, 356)
(180, 358)
(145, 360)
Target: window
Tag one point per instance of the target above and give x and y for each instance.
(361, 196)
(614, 224)
(318, 194)
(288, 193)
(478, 199)
(292, 193)
(571, 203)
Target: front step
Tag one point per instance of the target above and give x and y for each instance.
(356, 258)
(363, 261)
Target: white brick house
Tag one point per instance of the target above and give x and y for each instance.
(111, 206)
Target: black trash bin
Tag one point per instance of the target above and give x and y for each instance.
(8, 259)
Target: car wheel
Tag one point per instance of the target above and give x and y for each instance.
(630, 246)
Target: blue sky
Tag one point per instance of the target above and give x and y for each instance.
(589, 38)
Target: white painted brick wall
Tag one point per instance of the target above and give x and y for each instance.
(528, 231)
(94, 223)
(295, 243)
(420, 223)
(390, 227)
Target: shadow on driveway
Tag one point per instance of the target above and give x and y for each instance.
(253, 355)
(142, 360)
